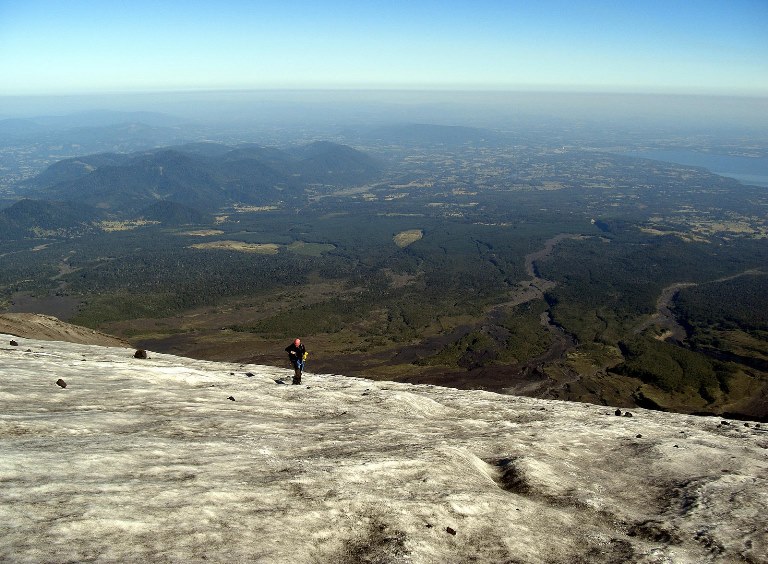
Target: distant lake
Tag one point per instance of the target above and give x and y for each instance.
(747, 170)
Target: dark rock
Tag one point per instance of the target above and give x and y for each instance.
(141, 353)
(429, 525)
(450, 531)
(627, 414)
(512, 478)
(30, 350)
(724, 423)
(653, 531)
(231, 398)
(14, 344)
(746, 424)
(617, 412)
(250, 374)
(638, 436)
(61, 383)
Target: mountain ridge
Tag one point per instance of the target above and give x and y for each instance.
(26, 216)
(49, 328)
(198, 174)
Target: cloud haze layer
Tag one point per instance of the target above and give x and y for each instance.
(703, 47)
(173, 459)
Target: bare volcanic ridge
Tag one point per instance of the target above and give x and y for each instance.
(48, 328)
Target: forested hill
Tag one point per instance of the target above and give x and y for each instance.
(27, 217)
(199, 174)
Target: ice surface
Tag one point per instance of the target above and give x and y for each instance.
(149, 460)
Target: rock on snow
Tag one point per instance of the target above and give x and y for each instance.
(150, 460)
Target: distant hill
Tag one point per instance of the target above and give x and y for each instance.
(200, 175)
(173, 213)
(16, 128)
(49, 137)
(126, 188)
(27, 215)
(204, 149)
(122, 137)
(330, 163)
(278, 160)
(8, 228)
(105, 118)
(34, 126)
(71, 169)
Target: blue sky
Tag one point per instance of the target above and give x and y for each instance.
(670, 46)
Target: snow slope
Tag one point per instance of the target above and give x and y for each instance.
(149, 460)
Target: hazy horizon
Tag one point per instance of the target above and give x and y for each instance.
(489, 109)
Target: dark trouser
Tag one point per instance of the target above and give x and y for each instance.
(297, 366)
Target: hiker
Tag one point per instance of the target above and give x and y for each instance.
(296, 354)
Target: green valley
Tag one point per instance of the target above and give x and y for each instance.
(484, 265)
